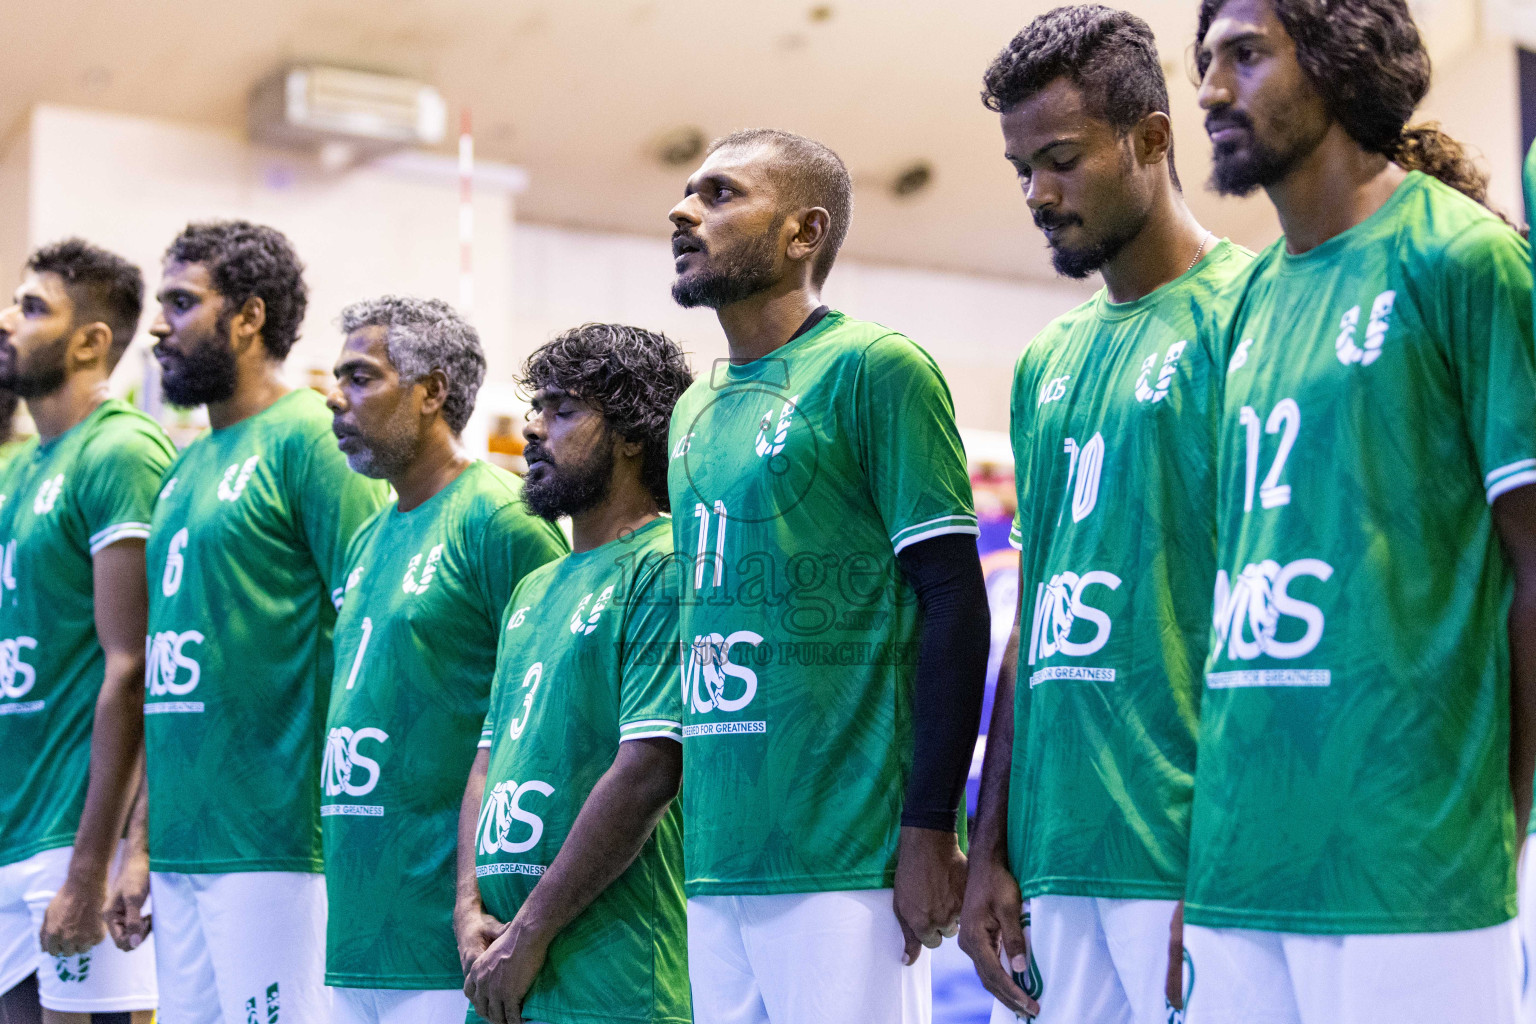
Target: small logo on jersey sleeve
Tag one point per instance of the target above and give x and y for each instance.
(1369, 351)
(47, 495)
(1240, 357)
(1149, 391)
(170, 485)
(236, 476)
(519, 617)
(1054, 389)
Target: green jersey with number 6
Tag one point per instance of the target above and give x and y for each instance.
(1114, 419)
(588, 660)
(61, 503)
(246, 555)
(795, 480)
(1354, 733)
(415, 650)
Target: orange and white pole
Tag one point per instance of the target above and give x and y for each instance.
(466, 216)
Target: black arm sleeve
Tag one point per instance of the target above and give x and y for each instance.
(951, 674)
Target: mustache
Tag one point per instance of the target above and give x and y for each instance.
(1048, 220)
(685, 241)
(1219, 120)
(534, 452)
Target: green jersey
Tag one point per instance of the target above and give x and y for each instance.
(1115, 408)
(60, 503)
(588, 659)
(247, 547)
(415, 650)
(795, 479)
(1354, 734)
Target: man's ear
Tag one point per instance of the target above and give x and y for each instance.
(1152, 138)
(247, 324)
(435, 392)
(89, 344)
(814, 224)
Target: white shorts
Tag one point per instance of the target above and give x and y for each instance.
(103, 980)
(1257, 977)
(246, 947)
(399, 1006)
(1103, 961)
(803, 958)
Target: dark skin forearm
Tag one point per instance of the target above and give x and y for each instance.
(1514, 515)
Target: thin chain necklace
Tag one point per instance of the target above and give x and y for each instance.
(1198, 253)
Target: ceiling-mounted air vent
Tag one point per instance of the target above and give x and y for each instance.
(312, 106)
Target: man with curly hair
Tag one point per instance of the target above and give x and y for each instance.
(246, 555)
(1368, 726)
(427, 579)
(837, 626)
(570, 906)
(1090, 761)
(75, 506)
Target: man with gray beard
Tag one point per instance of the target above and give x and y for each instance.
(427, 579)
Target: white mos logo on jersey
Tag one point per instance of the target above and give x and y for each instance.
(47, 494)
(345, 769)
(1059, 608)
(410, 584)
(236, 476)
(1375, 332)
(503, 810)
(684, 443)
(764, 446)
(1054, 389)
(709, 663)
(165, 656)
(582, 628)
(16, 676)
(1149, 391)
(1250, 609)
(170, 485)
(1240, 357)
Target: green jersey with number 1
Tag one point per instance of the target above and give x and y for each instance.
(1354, 734)
(415, 649)
(61, 503)
(246, 556)
(588, 660)
(1114, 419)
(795, 481)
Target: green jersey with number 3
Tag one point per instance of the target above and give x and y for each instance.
(1114, 419)
(795, 480)
(415, 650)
(246, 556)
(1354, 735)
(61, 503)
(588, 660)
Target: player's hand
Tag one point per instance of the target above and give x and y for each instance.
(1176, 958)
(474, 930)
(498, 981)
(124, 914)
(930, 885)
(992, 936)
(72, 923)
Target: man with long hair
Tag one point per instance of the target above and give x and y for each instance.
(1366, 736)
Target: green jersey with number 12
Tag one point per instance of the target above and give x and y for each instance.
(415, 649)
(1354, 734)
(795, 480)
(60, 504)
(1114, 419)
(588, 660)
(246, 555)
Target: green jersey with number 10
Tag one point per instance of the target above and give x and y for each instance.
(415, 649)
(1115, 407)
(795, 480)
(246, 556)
(1354, 736)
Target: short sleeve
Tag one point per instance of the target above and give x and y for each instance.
(1020, 415)
(909, 445)
(487, 730)
(1484, 285)
(513, 543)
(121, 483)
(650, 699)
(333, 502)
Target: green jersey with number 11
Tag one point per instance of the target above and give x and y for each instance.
(61, 503)
(1115, 407)
(415, 650)
(246, 555)
(795, 481)
(588, 660)
(1354, 734)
